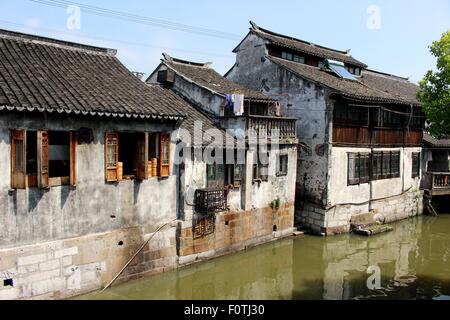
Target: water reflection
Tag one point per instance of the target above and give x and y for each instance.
(413, 259)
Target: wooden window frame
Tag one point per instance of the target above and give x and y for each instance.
(42, 180)
(164, 168)
(359, 158)
(18, 173)
(415, 172)
(112, 172)
(280, 171)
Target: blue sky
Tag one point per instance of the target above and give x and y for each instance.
(399, 46)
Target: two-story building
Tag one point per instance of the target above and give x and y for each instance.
(257, 166)
(362, 129)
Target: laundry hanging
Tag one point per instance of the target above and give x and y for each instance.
(277, 109)
(229, 105)
(238, 101)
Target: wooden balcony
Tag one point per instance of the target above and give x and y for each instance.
(376, 137)
(269, 126)
(210, 200)
(263, 127)
(437, 183)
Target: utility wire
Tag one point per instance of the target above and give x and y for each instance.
(139, 44)
(124, 16)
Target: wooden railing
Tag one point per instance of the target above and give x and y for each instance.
(438, 182)
(210, 200)
(365, 136)
(270, 126)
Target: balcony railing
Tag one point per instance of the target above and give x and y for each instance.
(271, 126)
(376, 136)
(210, 200)
(438, 182)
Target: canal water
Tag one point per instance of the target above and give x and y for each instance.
(413, 262)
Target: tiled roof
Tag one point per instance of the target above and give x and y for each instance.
(437, 143)
(44, 74)
(202, 75)
(305, 47)
(371, 87)
(195, 114)
(394, 85)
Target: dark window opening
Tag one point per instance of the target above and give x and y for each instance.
(215, 175)
(292, 57)
(274, 228)
(59, 154)
(8, 283)
(261, 165)
(415, 164)
(282, 165)
(153, 152)
(349, 115)
(31, 152)
(128, 148)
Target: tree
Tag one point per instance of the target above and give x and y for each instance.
(434, 92)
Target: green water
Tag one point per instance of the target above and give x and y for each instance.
(414, 262)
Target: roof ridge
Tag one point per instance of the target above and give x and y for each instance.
(168, 58)
(20, 36)
(388, 74)
(258, 28)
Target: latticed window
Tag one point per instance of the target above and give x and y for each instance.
(415, 164)
(358, 168)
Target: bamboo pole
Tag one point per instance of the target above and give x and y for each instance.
(134, 256)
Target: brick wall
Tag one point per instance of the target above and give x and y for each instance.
(236, 231)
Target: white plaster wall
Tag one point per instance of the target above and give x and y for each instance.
(341, 193)
(260, 195)
(33, 215)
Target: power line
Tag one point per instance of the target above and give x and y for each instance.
(139, 44)
(125, 16)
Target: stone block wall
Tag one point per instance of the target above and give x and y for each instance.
(338, 219)
(235, 231)
(65, 268)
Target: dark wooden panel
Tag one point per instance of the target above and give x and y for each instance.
(351, 135)
(363, 136)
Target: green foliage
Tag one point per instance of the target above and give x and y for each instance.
(275, 204)
(434, 93)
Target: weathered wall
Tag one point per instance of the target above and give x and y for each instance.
(388, 200)
(342, 193)
(299, 98)
(64, 268)
(33, 215)
(261, 194)
(212, 103)
(236, 231)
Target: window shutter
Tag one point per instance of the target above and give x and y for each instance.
(73, 148)
(18, 174)
(111, 156)
(42, 159)
(164, 155)
(142, 165)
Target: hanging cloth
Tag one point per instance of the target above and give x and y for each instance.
(277, 109)
(229, 105)
(238, 101)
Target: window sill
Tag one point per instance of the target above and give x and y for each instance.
(59, 181)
